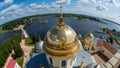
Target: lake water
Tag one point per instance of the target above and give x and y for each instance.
(82, 27)
(4, 36)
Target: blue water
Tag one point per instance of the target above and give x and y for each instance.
(80, 27)
(4, 36)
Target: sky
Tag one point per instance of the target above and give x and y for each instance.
(14, 9)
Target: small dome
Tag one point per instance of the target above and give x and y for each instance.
(89, 35)
(38, 47)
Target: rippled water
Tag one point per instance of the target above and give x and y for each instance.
(82, 27)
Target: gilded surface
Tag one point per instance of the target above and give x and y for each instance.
(61, 40)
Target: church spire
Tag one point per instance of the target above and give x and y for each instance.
(61, 21)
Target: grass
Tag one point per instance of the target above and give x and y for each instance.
(20, 61)
(4, 31)
(81, 19)
(31, 51)
(29, 42)
(44, 21)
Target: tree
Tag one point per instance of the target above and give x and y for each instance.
(7, 46)
(111, 40)
(17, 37)
(35, 38)
(18, 50)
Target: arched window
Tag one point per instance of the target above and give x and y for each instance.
(63, 64)
(74, 58)
(71, 62)
(51, 62)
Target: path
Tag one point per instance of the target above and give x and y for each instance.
(26, 49)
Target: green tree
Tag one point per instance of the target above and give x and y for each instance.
(17, 37)
(7, 46)
(18, 50)
(35, 38)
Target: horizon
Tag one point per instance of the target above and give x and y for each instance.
(14, 9)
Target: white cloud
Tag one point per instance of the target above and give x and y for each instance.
(61, 2)
(16, 11)
(2, 17)
(10, 12)
(5, 2)
(101, 7)
(88, 1)
(8, 1)
(114, 2)
(101, 4)
(82, 6)
(11, 9)
(58, 3)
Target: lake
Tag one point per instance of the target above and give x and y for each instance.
(81, 27)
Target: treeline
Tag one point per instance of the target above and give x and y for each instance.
(83, 17)
(15, 23)
(7, 46)
(25, 20)
(65, 15)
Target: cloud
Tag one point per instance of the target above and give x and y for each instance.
(56, 4)
(17, 11)
(61, 2)
(8, 1)
(1, 17)
(101, 7)
(10, 12)
(114, 2)
(88, 1)
(35, 8)
(81, 6)
(11, 8)
(5, 2)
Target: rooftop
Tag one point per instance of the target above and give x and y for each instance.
(39, 59)
(11, 63)
(107, 45)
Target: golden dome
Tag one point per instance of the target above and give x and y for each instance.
(90, 35)
(88, 40)
(61, 40)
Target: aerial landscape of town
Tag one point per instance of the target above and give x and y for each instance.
(59, 34)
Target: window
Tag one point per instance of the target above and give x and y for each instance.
(63, 63)
(74, 58)
(71, 62)
(51, 62)
(119, 66)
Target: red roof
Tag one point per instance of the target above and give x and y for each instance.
(11, 63)
(107, 45)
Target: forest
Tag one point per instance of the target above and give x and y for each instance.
(7, 46)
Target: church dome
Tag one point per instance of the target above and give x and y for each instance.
(61, 40)
(90, 35)
(65, 34)
(38, 47)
